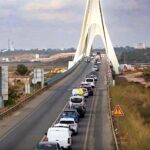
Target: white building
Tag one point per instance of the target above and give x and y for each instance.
(140, 46)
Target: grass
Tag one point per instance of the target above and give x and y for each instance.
(135, 125)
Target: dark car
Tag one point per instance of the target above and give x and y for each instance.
(81, 110)
(48, 146)
(70, 113)
(90, 90)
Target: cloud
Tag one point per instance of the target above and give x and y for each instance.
(67, 17)
(54, 10)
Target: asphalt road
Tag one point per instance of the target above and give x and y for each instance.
(94, 129)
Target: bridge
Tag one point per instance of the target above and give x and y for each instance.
(26, 127)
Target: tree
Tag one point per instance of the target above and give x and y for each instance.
(22, 69)
(12, 97)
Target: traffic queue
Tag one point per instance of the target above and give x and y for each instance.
(59, 136)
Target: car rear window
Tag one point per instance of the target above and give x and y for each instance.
(89, 80)
(76, 100)
(67, 122)
(69, 113)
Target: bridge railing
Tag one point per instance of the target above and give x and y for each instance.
(60, 76)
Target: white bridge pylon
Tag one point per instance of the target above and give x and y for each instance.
(93, 25)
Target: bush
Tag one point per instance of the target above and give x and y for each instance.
(12, 96)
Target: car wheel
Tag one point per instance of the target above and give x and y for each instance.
(82, 116)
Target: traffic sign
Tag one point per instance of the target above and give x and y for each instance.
(118, 111)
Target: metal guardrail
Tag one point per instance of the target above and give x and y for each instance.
(48, 83)
(111, 120)
(109, 80)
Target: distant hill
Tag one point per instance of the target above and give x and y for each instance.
(36, 51)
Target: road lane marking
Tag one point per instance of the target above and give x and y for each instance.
(56, 119)
(89, 121)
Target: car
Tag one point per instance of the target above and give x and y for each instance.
(98, 62)
(48, 146)
(90, 75)
(88, 87)
(78, 91)
(83, 84)
(59, 125)
(70, 113)
(93, 73)
(61, 136)
(71, 122)
(76, 101)
(95, 68)
(81, 110)
(94, 76)
(91, 81)
(86, 93)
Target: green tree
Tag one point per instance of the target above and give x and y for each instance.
(22, 69)
(12, 96)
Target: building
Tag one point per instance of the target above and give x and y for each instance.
(140, 46)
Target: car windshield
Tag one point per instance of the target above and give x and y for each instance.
(76, 100)
(47, 146)
(89, 80)
(67, 122)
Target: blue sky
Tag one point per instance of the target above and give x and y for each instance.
(57, 23)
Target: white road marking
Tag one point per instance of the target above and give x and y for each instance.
(88, 126)
(56, 119)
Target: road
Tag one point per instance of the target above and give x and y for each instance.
(94, 130)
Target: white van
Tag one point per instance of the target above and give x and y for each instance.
(60, 135)
(91, 81)
(76, 101)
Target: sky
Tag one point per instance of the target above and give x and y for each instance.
(57, 23)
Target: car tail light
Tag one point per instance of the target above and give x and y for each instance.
(69, 140)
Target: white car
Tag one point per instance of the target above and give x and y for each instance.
(76, 101)
(95, 68)
(71, 122)
(98, 62)
(91, 81)
(60, 135)
(60, 125)
(94, 76)
(83, 84)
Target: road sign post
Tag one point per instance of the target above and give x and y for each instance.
(117, 112)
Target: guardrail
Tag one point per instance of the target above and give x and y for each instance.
(109, 80)
(111, 120)
(48, 83)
